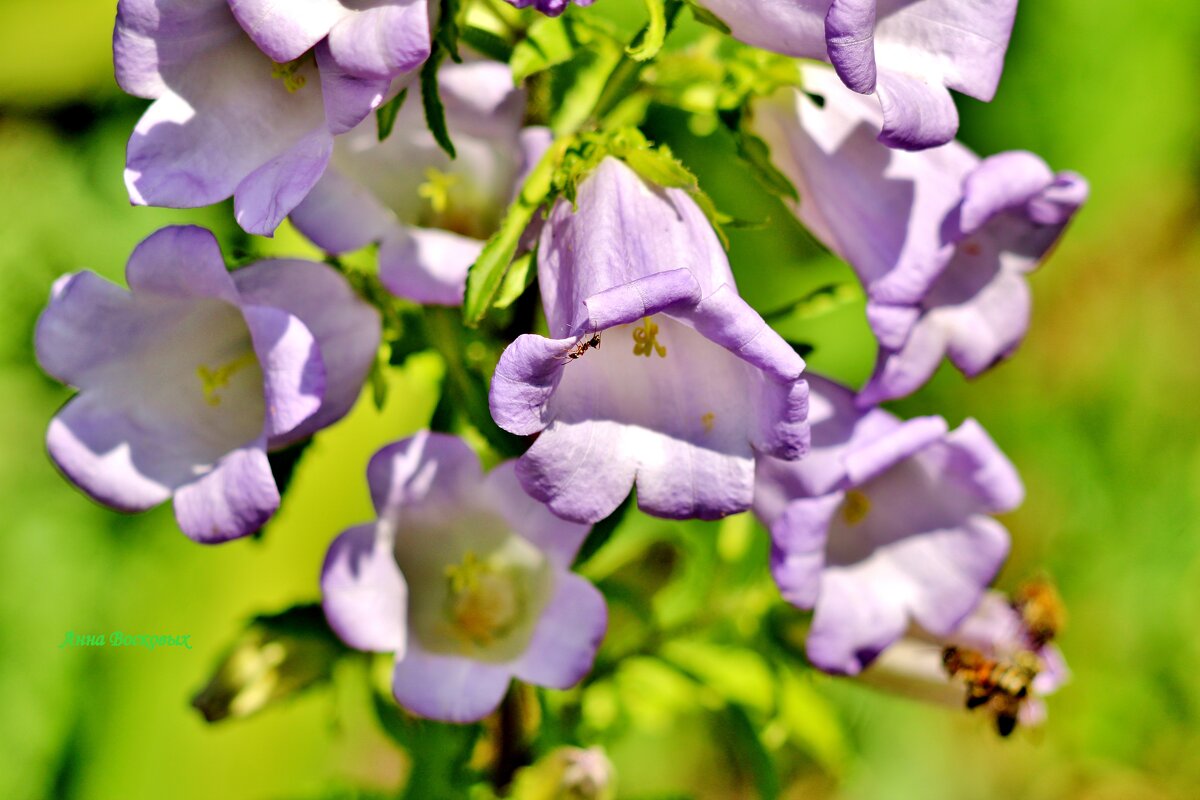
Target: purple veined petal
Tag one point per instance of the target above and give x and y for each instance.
(850, 41)
(641, 297)
(900, 373)
(285, 31)
(880, 209)
(974, 459)
(346, 329)
(293, 373)
(951, 567)
(448, 688)
(798, 537)
(892, 325)
(427, 265)
(558, 538)
(795, 28)
(856, 618)
(989, 328)
(383, 39)
(917, 114)
(433, 469)
(154, 39)
(222, 117)
(364, 595)
(580, 471)
(624, 230)
(524, 381)
(1003, 182)
(180, 261)
(91, 444)
(564, 643)
(234, 499)
(350, 98)
(340, 215)
(871, 459)
(269, 193)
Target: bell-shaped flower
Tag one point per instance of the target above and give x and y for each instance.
(227, 120)
(883, 524)
(941, 240)
(551, 8)
(374, 39)
(992, 660)
(656, 373)
(465, 578)
(187, 378)
(908, 53)
(430, 214)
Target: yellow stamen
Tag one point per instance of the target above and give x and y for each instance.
(436, 189)
(289, 74)
(855, 507)
(483, 603)
(213, 379)
(645, 340)
(707, 420)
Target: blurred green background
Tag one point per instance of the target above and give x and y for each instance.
(1099, 411)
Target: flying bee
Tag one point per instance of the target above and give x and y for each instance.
(1041, 609)
(999, 685)
(592, 342)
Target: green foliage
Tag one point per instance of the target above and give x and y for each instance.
(435, 112)
(385, 115)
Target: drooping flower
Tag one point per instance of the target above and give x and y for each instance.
(657, 372)
(883, 524)
(430, 214)
(465, 578)
(551, 8)
(187, 378)
(941, 240)
(377, 39)
(991, 661)
(908, 53)
(227, 120)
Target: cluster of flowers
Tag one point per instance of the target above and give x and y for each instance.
(655, 373)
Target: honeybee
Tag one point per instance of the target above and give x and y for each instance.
(999, 685)
(592, 342)
(1041, 609)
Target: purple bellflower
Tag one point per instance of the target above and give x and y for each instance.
(656, 373)
(916, 667)
(188, 378)
(941, 240)
(883, 524)
(372, 39)
(908, 53)
(228, 120)
(465, 578)
(551, 8)
(430, 214)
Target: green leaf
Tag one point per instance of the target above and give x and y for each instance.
(750, 751)
(578, 88)
(549, 42)
(435, 112)
(487, 43)
(819, 302)
(738, 675)
(487, 273)
(439, 752)
(385, 115)
(520, 275)
(755, 152)
(602, 531)
(447, 31)
(647, 45)
(811, 722)
(660, 167)
(706, 17)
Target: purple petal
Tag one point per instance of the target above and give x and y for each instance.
(973, 457)
(153, 40)
(871, 459)
(856, 618)
(363, 593)
(292, 370)
(850, 39)
(383, 41)
(285, 31)
(427, 266)
(234, 499)
(798, 539)
(448, 688)
(433, 469)
(349, 98)
(340, 215)
(917, 114)
(269, 193)
(900, 373)
(557, 538)
(524, 381)
(564, 643)
(578, 469)
(180, 261)
(346, 328)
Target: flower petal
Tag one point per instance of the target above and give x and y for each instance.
(564, 643)
(427, 266)
(383, 41)
(234, 499)
(798, 539)
(340, 215)
(180, 261)
(557, 538)
(292, 369)
(433, 469)
(285, 31)
(269, 193)
(448, 688)
(364, 595)
(346, 328)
